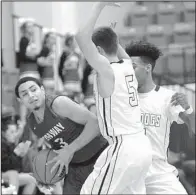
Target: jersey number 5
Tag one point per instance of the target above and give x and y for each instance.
(133, 101)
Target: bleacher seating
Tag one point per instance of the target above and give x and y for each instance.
(190, 65)
(189, 11)
(166, 13)
(175, 59)
(190, 59)
(159, 35)
(132, 34)
(160, 68)
(141, 16)
(183, 33)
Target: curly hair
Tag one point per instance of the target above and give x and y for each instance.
(148, 52)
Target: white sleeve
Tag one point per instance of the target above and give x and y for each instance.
(173, 113)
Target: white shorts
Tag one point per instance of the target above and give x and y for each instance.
(121, 168)
(162, 178)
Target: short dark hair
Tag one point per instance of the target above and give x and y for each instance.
(106, 38)
(148, 52)
(24, 80)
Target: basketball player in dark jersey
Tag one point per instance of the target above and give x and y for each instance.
(59, 121)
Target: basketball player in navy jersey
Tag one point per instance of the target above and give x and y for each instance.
(59, 120)
(160, 107)
(122, 166)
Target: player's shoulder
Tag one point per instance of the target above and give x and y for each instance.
(58, 101)
(122, 66)
(126, 61)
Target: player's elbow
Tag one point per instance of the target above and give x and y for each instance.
(93, 121)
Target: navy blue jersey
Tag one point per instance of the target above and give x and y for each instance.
(60, 131)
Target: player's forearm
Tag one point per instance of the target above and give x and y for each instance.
(122, 53)
(86, 30)
(90, 131)
(189, 120)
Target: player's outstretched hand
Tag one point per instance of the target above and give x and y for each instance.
(63, 158)
(180, 99)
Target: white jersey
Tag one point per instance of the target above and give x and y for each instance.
(157, 117)
(120, 113)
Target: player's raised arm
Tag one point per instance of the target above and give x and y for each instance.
(84, 40)
(122, 53)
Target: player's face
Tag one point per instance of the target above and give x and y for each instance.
(140, 70)
(11, 133)
(31, 95)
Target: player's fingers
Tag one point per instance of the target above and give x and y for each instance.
(55, 166)
(51, 161)
(175, 96)
(174, 103)
(66, 168)
(60, 168)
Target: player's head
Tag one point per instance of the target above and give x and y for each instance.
(30, 92)
(106, 41)
(9, 128)
(144, 56)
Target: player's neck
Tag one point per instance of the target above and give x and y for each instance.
(148, 86)
(39, 114)
(112, 58)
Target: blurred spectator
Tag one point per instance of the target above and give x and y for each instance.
(87, 88)
(11, 157)
(46, 60)
(70, 68)
(28, 50)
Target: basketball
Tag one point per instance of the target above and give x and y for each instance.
(42, 172)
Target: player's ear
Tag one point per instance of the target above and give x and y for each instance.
(42, 88)
(19, 99)
(149, 67)
(100, 50)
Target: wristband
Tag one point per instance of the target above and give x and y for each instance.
(189, 110)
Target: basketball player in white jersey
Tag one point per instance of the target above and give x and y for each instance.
(122, 167)
(159, 107)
